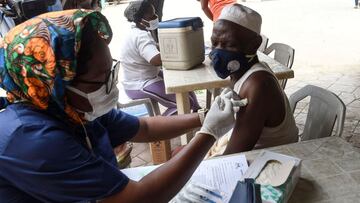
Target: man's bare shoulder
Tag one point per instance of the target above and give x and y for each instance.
(266, 100)
(260, 83)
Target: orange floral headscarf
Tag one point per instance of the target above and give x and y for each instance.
(38, 58)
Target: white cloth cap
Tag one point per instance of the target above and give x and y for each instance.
(243, 16)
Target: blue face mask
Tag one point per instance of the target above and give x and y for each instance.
(227, 62)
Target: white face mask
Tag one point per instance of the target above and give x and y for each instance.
(153, 24)
(100, 102)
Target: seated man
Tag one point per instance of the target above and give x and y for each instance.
(267, 119)
(59, 128)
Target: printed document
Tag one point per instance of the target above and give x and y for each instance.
(221, 173)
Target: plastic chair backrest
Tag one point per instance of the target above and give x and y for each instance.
(284, 54)
(152, 107)
(264, 43)
(325, 110)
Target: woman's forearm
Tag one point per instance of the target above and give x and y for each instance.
(166, 181)
(165, 127)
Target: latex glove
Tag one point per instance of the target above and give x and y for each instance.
(220, 118)
(235, 99)
(197, 193)
(228, 93)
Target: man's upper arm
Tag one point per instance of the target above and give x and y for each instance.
(50, 165)
(250, 121)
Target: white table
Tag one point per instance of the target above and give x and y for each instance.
(181, 82)
(330, 170)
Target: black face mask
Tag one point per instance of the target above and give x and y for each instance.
(227, 62)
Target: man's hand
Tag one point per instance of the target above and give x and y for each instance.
(198, 193)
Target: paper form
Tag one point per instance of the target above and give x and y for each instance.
(220, 173)
(137, 173)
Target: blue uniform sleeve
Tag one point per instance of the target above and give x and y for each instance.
(51, 166)
(120, 125)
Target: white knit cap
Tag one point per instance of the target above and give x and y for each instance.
(243, 16)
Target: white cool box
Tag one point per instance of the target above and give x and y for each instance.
(181, 43)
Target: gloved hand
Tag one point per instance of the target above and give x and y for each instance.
(197, 193)
(229, 93)
(235, 99)
(220, 118)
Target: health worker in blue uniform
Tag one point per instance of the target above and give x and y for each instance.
(59, 128)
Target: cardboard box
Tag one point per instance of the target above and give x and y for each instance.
(278, 175)
(160, 151)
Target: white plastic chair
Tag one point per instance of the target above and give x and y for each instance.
(284, 54)
(124, 101)
(325, 110)
(264, 43)
(152, 108)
